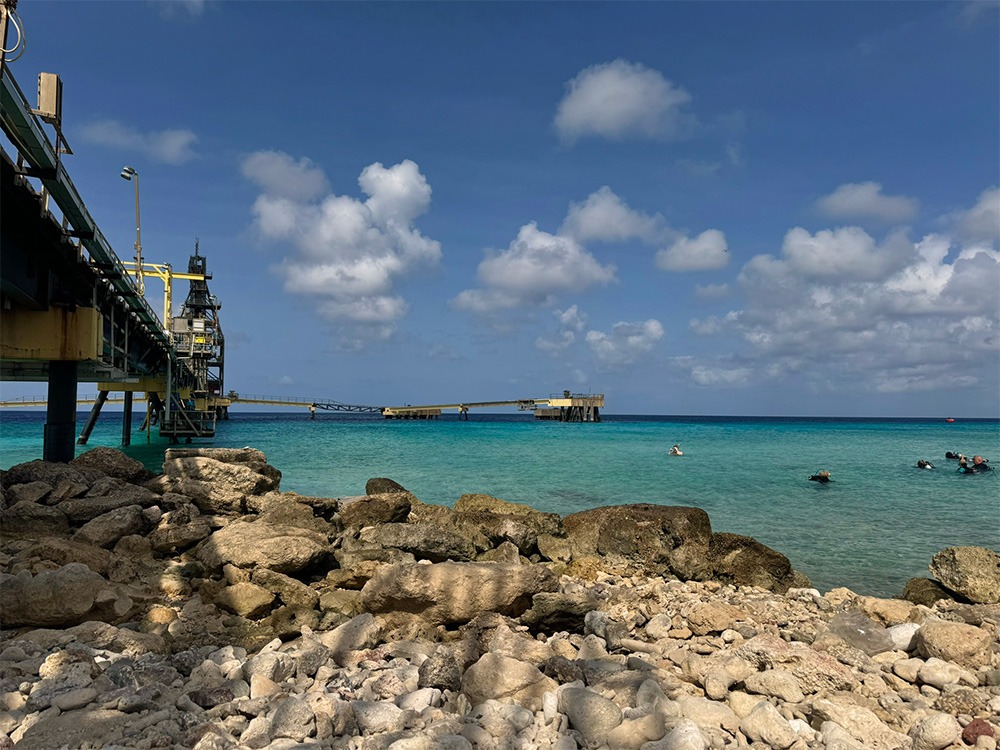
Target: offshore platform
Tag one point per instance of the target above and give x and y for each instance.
(185, 400)
(72, 310)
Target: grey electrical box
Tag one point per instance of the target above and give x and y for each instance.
(50, 98)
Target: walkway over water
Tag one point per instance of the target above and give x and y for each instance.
(567, 407)
(73, 312)
(312, 404)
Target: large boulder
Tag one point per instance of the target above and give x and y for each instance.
(489, 530)
(972, 572)
(925, 591)
(277, 502)
(42, 471)
(292, 592)
(358, 563)
(359, 633)
(113, 463)
(285, 549)
(64, 551)
(56, 598)
(860, 722)
(743, 561)
(169, 535)
(815, 671)
(644, 538)
(82, 509)
(965, 645)
(450, 593)
(250, 457)
(475, 506)
(489, 522)
(286, 510)
(32, 520)
(590, 713)
(109, 527)
(381, 485)
(245, 599)
(214, 485)
(501, 678)
(32, 492)
(371, 510)
(424, 541)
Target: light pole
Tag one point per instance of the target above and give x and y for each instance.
(128, 173)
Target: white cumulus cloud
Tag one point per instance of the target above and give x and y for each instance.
(844, 252)
(281, 176)
(982, 221)
(626, 343)
(163, 146)
(620, 99)
(348, 253)
(838, 308)
(572, 321)
(865, 200)
(603, 216)
(708, 251)
(532, 271)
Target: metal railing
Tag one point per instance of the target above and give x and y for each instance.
(24, 131)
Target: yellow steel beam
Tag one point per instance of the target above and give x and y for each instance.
(54, 334)
(165, 273)
(144, 384)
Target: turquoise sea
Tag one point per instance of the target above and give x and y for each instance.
(875, 526)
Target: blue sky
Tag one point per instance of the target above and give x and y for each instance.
(694, 208)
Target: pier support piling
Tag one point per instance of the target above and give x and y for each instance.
(127, 420)
(60, 415)
(102, 397)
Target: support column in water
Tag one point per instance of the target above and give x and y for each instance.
(102, 396)
(60, 416)
(127, 420)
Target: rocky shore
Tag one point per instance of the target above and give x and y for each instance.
(204, 608)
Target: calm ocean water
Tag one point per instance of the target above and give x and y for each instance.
(875, 526)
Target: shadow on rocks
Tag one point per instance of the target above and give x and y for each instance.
(203, 607)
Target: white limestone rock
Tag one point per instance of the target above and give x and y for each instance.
(495, 677)
(861, 723)
(589, 713)
(684, 735)
(765, 724)
(936, 732)
(777, 683)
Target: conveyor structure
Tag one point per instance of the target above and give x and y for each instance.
(71, 311)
